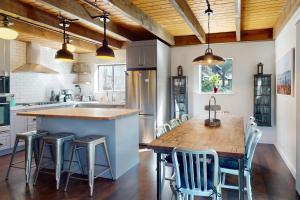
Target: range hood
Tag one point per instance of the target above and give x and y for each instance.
(33, 64)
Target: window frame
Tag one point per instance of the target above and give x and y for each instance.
(212, 92)
(97, 89)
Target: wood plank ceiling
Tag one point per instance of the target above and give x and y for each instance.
(232, 20)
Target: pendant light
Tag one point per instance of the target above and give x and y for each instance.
(209, 58)
(64, 54)
(105, 52)
(70, 46)
(6, 32)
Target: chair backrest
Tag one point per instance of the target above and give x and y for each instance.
(160, 131)
(248, 126)
(185, 117)
(194, 169)
(256, 135)
(249, 135)
(174, 123)
(167, 127)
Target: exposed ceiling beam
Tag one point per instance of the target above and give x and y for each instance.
(288, 11)
(28, 13)
(238, 19)
(72, 9)
(29, 33)
(137, 15)
(251, 35)
(187, 14)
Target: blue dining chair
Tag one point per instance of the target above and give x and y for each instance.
(174, 123)
(166, 158)
(184, 117)
(196, 174)
(230, 166)
(250, 121)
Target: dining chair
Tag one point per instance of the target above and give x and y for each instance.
(185, 117)
(166, 158)
(196, 174)
(250, 121)
(174, 123)
(228, 166)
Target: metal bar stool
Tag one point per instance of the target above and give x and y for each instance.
(90, 143)
(31, 148)
(56, 141)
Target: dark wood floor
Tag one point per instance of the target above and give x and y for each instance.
(272, 181)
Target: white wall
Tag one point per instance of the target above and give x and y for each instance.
(36, 87)
(93, 62)
(246, 56)
(286, 105)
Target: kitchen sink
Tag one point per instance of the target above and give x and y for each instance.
(98, 105)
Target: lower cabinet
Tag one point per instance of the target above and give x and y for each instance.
(5, 141)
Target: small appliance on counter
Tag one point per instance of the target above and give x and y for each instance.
(66, 95)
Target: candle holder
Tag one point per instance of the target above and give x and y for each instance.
(212, 122)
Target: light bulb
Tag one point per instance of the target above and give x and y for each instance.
(8, 33)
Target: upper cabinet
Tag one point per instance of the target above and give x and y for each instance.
(4, 56)
(142, 54)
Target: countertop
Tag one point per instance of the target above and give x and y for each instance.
(82, 113)
(61, 104)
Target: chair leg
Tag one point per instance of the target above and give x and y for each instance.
(91, 167)
(12, 157)
(58, 163)
(249, 189)
(40, 162)
(223, 178)
(163, 176)
(108, 160)
(28, 158)
(69, 168)
(78, 160)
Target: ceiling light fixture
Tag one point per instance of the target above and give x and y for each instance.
(70, 46)
(104, 52)
(209, 58)
(6, 32)
(64, 54)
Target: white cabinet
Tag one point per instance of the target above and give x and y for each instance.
(141, 56)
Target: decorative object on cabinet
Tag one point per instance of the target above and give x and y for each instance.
(179, 71)
(6, 32)
(260, 68)
(212, 122)
(209, 58)
(285, 74)
(262, 99)
(179, 96)
(64, 54)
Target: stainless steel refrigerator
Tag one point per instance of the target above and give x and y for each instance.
(141, 94)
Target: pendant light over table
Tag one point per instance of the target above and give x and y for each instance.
(6, 32)
(209, 58)
(105, 52)
(64, 54)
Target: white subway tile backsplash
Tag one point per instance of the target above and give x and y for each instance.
(35, 87)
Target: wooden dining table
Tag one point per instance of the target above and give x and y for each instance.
(227, 140)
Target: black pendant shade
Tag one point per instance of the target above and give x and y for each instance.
(209, 58)
(105, 52)
(64, 54)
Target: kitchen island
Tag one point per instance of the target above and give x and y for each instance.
(119, 126)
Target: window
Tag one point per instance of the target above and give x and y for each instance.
(111, 78)
(216, 75)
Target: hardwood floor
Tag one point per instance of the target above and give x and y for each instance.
(272, 181)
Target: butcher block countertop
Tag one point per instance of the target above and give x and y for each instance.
(83, 113)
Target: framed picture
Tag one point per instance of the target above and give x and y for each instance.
(285, 75)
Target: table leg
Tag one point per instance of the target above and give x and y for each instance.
(158, 171)
(241, 179)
